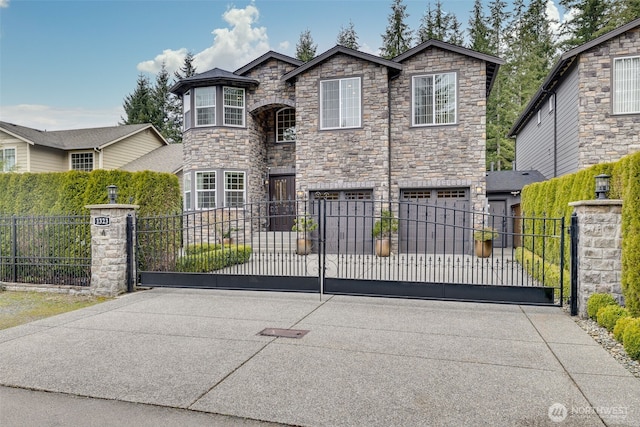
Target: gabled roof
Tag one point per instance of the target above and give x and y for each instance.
(510, 180)
(167, 158)
(264, 58)
(346, 51)
(492, 62)
(215, 76)
(77, 139)
(556, 74)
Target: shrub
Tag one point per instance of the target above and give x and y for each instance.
(215, 259)
(199, 248)
(596, 302)
(631, 339)
(621, 325)
(545, 272)
(608, 316)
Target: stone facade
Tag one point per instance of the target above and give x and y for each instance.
(604, 136)
(599, 250)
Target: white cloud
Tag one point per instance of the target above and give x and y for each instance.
(554, 17)
(284, 46)
(4, 3)
(46, 117)
(232, 47)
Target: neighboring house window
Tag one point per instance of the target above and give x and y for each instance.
(205, 106)
(552, 99)
(186, 107)
(186, 183)
(233, 106)
(82, 162)
(340, 103)
(286, 125)
(234, 189)
(539, 117)
(7, 159)
(434, 99)
(205, 190)
(626, 85)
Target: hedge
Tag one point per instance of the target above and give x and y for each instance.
(546, 273)
(200, 260)
(551, 199)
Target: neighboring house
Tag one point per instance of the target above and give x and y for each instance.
(587, 111)
(352, 125)
(167, 159)
(24, 149)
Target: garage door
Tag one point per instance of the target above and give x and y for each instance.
(349, 220)
(434, 220)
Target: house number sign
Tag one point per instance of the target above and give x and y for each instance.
(101, 220)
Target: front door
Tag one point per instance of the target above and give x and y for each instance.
(282, 202)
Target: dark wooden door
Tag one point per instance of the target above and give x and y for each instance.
(282, 205)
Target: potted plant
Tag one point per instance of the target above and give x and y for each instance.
(382, 230)
(304, 225)
(226, 236)
(483, 238)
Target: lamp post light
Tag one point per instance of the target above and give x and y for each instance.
(602, 186)
(112, 192)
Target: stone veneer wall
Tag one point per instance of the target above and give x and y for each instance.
(346, 158)
(447, 155)
(605, 137)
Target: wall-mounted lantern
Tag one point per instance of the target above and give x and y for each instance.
(602, 186)
(112, 192)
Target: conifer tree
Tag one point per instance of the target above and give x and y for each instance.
(138, 106)
(348, 37)
(187, 69)
(305, 49)
(397, 37)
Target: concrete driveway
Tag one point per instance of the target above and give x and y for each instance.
(191, 357)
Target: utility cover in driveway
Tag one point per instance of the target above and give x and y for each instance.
(283, 333)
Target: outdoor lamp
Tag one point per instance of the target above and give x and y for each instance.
(112, 191)
(602, 186)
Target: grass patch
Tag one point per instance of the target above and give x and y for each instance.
(17, 308)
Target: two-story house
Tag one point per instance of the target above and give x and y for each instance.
(587, 111)
(351, 125)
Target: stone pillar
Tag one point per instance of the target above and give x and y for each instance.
(109, 248)
(599, 249)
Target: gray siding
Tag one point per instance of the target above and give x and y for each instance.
(534, 145)
(567, 116)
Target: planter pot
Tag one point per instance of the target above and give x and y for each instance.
(484, 248)
(303, 247)
(227, 241)
(383, 247)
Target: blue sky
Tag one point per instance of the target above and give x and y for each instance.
(69, 64)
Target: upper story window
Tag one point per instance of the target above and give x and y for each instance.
(340, 103)
(206, 190)
(82, 161)
(286, 125)
(434, 99)
(205, 106)
(233, 106)
(626, 85)
(186, 107)
(7, 159)
(234, 189)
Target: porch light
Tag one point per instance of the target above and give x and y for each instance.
(602, 186)
(112, 192)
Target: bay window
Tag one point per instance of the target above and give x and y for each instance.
(233, 106)
(205, 106)
(206, 190)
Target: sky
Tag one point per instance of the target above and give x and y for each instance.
(70, 64)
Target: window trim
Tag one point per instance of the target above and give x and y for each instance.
(539, 117)
(196, 107)
(413, 100)
(187, 119)
(186, 189)
(198, 191)
(3, 149)
(244, 187)
(614, 85)
(225, 107)
(93, 160)
(278, 141)
(340, 101)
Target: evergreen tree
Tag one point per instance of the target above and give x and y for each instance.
(305, 49)
(167, 108)
(348, 37)
(397, 37)
(187, 69)
(479, 39)
(455, 34)
(139, 106)
(590, 18)
(436, 24)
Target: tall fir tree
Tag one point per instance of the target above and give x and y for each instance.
(589, 18)
(139, 106)
(397, 37)
(167, 119)
(479, 39)
(306, 49)
(187, 69)
(348, 37)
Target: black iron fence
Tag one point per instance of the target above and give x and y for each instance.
(54, 250)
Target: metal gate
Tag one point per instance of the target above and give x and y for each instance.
(233, 249)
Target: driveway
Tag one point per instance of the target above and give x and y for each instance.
(192, 357)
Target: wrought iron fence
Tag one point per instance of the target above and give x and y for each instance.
(54, 250)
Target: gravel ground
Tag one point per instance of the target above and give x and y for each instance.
(606, 340)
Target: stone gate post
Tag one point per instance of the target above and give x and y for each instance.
(599, 249)
(109, 257)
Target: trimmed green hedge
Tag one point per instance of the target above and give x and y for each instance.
(198, 259)
(551, 199)
(546, 273)
(596, 302)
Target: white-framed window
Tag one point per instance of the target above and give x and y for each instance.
(626, 85)
(233, 106)
(186, 110)
(340, 103)
(552, 99)
(205, 190)
(434, 99)
(286, 125)
(205, 106)
(82, 161)
(186, 186)
(539, 119)
(234, 189)
(7, 159)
